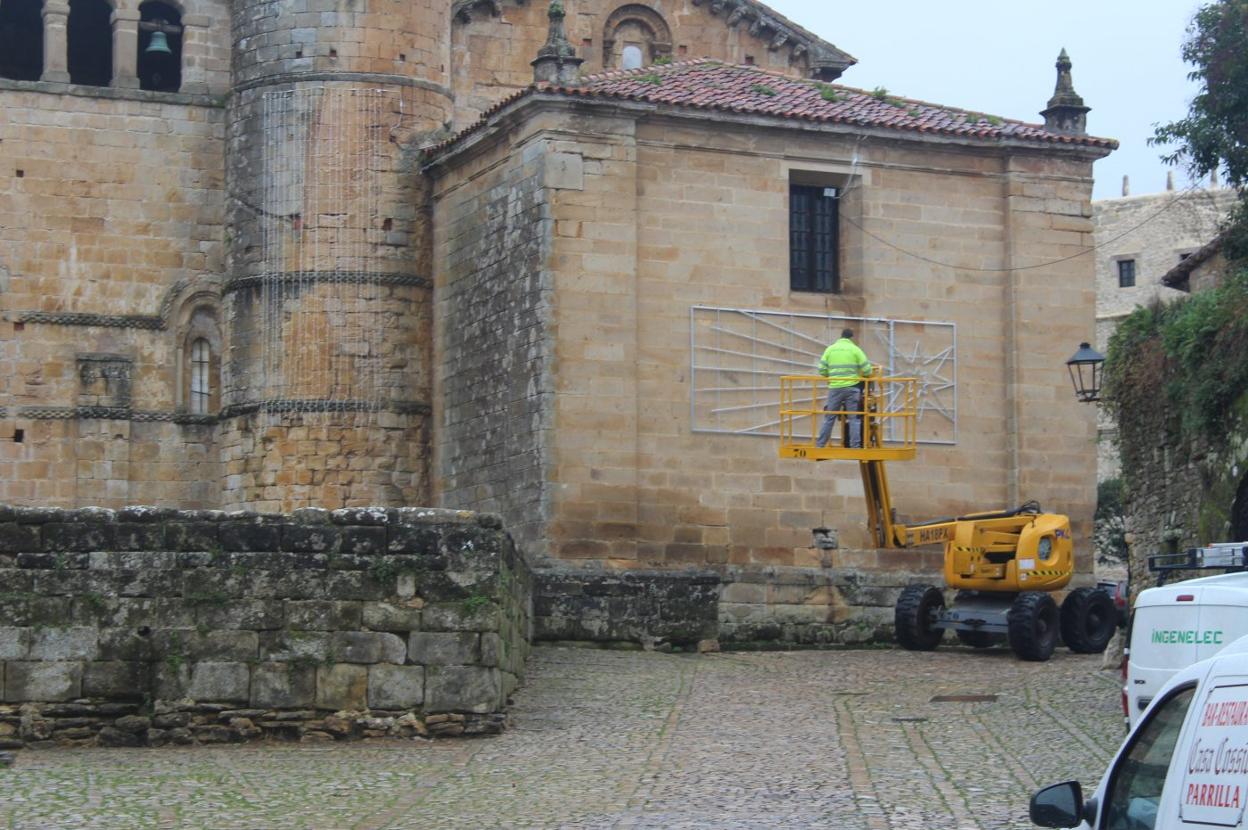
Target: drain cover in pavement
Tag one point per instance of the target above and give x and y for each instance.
(964, 699)
(909, 720)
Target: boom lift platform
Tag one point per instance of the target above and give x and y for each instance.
(1003, 564)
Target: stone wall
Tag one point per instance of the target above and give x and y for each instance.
(1181, 495)
(147, 626)
(111, 241)
(492, 344)
(848, 601)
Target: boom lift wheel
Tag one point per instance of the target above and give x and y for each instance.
(1033, 625)
(914, 617)
(1088, 620)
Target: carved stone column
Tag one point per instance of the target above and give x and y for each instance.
(125, 49)
(55, 42)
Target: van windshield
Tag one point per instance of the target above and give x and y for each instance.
(1135, 791)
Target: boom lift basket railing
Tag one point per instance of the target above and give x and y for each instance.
(889, 420)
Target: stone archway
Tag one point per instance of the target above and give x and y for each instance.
(1239, 513)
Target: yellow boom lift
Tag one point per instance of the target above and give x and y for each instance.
(1004, 565)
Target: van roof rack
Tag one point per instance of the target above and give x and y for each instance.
(1227, 556)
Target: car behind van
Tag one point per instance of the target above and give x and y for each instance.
(1185, 764)
(1177, 625)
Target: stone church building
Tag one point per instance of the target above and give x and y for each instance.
(541, 260)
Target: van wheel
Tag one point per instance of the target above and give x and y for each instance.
(1033, 624)
(915, 615)
(1088, 620)
(978, 639)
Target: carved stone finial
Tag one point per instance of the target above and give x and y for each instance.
(1065, 112)
(557, 61)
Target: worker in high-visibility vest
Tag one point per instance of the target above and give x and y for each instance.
(844, 365)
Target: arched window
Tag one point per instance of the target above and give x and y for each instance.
(160, 47)
(201, 377)
(634, 36)
(21, 39)
(631, 57)
(90, 36)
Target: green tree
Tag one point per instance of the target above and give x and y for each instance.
(1214, 135)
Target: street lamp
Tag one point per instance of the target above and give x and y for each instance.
(1085, 373)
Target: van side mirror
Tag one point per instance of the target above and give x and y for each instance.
(1060, 805)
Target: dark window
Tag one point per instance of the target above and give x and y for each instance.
(1126, 273)
(21, 40)
(1134, 791)
(90, 35)
(813, 229)
(160, 47)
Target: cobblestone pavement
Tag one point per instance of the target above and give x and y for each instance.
(603, 739)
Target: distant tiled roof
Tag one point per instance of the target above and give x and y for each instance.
(1180, 275)
(711, 85)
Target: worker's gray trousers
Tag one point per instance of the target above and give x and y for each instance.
(842, 398)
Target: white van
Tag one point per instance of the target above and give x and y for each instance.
(1177, 625)
(1184, 765)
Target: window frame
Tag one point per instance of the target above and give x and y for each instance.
(804, 240)
(200, 394)
(1102, 820)
(1131, 261)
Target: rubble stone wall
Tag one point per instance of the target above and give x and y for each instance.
(145, 626)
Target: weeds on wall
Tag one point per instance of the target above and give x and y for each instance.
(1189, 357)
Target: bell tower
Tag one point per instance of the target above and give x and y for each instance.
(327, 295)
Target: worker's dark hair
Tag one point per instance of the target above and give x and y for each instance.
(847, 333)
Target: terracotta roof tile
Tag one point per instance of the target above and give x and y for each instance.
(712, 85)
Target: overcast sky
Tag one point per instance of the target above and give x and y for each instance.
(997, 56)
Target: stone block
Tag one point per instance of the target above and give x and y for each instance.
(64, 644)
(220, 682)
(367, 647)
(363, 541)
(132, 536)
(341, 686)
(222, 646)
(395, 687)
(415, 540)
(356, 585)
(78, 536)
(283, 685)
(295, 646)
(322, 615)
(463, 689)
(385, 616)
(256, 614)
(15, 538)
(171, 679)
(461, 616)
(311, 538)
(26, 681)
(192, 536)
(492, 650)
(252, 535)
(14, 643)
(431, 648)
(115, 679)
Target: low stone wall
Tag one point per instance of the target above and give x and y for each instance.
(145, 626)
(848, 601)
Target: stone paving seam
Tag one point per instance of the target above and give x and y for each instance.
(1021, 774)
(658, 754)
(856, 763)
(388, 815)
(1101, 753)
(950, 796)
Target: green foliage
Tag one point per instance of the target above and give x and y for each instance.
(827, 92)
(1215, 132)
(1109, 523)
(763, 89)
(650, 78)
(1214, 135)
(1188, 359)
(663, 61)
(475, 603)
(994, 120)
(880, 93)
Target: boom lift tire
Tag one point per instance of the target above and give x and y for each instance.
(1088, 620)
(1033, 626)
(913, 617)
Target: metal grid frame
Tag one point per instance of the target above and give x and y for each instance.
(764, 345)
